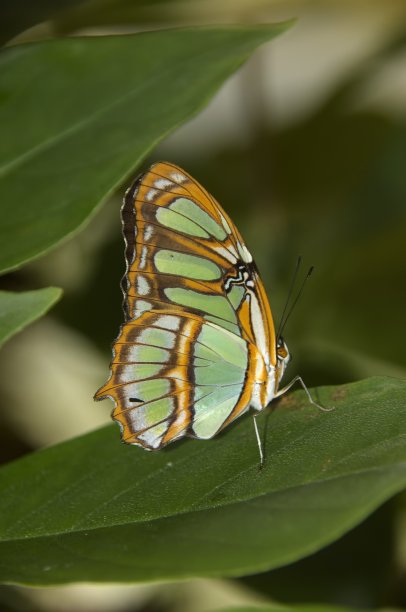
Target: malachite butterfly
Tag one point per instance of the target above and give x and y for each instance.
(198, 346)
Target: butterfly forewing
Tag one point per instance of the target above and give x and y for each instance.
(198, 333)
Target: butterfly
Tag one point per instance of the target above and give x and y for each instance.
(198, 347)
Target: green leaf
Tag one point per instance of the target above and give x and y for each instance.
(372, 550)
(17, 310)
(94, 509)
(95, 107)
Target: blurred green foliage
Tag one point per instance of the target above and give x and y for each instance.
(20, 309)
(329, 185)
(336, 179)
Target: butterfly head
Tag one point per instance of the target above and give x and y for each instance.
(275, 372)
(282, 358)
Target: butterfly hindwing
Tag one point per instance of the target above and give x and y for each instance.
(171, 374)
(186, 359)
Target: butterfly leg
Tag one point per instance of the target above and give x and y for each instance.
(259, 442)
(298, 379)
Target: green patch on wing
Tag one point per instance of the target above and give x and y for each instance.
(148, 390)
(187, 208)
(158, 410)
(137, 371)
(213, 407)
(219, 385)
(148, 354)
(182, 264)
(177, 222)
(236, 295)
(157, 337)
(215, 305)
(227, 346)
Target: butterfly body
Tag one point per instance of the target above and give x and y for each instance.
(198, 345)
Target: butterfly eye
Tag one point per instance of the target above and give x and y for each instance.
(282, 352)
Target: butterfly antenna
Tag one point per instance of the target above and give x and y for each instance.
(291, 287)
(299, 293)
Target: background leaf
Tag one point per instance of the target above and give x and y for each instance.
(17, 310)
(348, 565)
(93, 509)
(94, 109)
